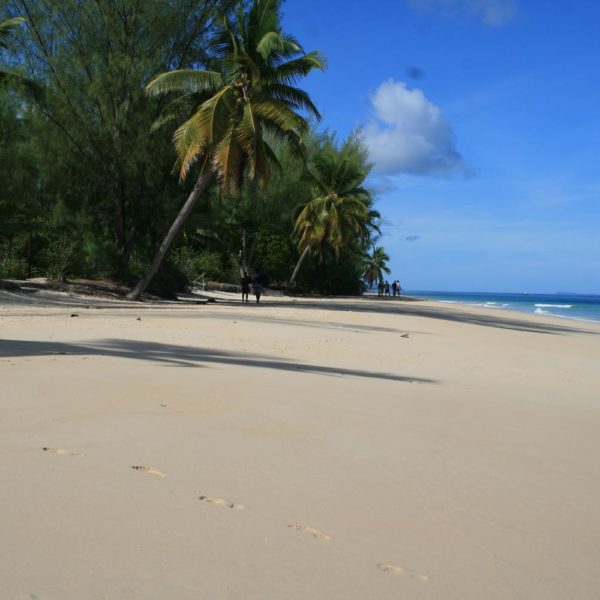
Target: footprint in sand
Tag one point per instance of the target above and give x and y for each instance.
(149, 470)
(61, 451)
(323, 537)
(221, 502)
(400, 571)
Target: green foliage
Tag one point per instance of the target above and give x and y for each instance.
(231, 110)
(338, 216)
(274, 254)
(248, 93)
(5, 30)
(13, 268)
(88, 185)
(204, 265)
(59, 255)
(374, 265)
(91, 133)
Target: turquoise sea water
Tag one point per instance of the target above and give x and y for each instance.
(566, 305)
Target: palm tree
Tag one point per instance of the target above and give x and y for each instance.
(249, 96)
(30, 88)
(6, 28)
(375, 265)
(339, 213)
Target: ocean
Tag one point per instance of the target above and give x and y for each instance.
(583, 307)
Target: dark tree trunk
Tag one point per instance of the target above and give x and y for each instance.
(121, 227)
(29, 252)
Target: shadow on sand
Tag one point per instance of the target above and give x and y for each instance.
(182, 356)
(416, 309)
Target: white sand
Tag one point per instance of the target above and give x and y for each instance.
(334, 457)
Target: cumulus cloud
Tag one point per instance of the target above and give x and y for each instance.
(494, 13)
(410, 135)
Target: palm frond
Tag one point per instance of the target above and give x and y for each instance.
(186, 81)
(293, 97)
(275, 113)
(248, 95)
(178, 108)
(5, 29)
(269, 43)
(227, 160)
(204, 129)
(290, 71)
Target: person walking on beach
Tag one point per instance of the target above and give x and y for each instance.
(380, 288)
(394, 289)
(245, 287)
(258, 282)
(387, 288)
(399, 288)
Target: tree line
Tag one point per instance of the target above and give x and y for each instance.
(161, 142)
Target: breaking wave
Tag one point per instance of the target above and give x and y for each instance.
(554, 306)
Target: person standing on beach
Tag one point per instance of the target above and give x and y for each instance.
(394, 288)
(399, 288)
(245, 287)
(258, 282)
(387, 288)
(380, 288)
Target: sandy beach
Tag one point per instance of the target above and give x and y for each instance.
(342, 448)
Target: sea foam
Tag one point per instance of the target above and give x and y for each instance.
(554, 306)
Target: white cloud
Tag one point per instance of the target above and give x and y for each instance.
(410, 135)
(494, 13)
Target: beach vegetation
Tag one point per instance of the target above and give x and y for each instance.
(116, 113)
(375, 265)
(339, 213)
(230, 110)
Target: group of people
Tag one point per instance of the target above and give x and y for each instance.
(383, 288)
(259, 280)
(258, 283)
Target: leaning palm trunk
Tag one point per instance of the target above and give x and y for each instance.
(251, 92)
(205, 179)
(298, 265)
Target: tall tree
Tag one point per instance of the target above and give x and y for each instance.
(248, 94)
(375, 265)
(93, 59)
(340, 212)
(6, 30)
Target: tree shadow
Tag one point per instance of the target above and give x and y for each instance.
(416, 309)
(256, 317)
(183, 356)
(339, 304)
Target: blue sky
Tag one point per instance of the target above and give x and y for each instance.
(483, 122)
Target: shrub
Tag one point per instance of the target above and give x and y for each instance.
(194, 264)
(13, 268)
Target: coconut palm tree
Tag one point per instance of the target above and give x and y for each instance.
(30, 88)
(340, 213)
(6, 28)
(233, 109)
(375, 265)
